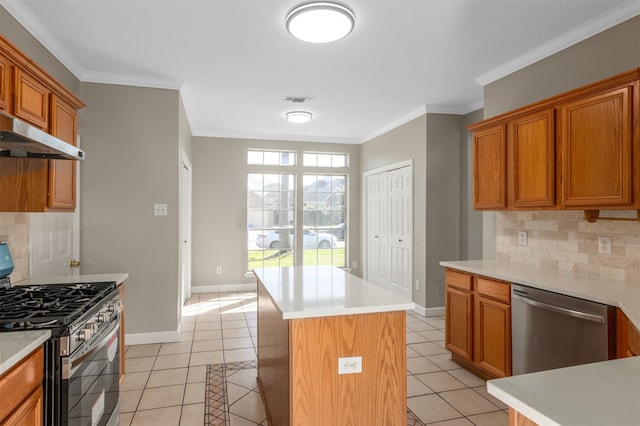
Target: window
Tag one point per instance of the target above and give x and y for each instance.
(289, 207)
(271, 158)
(270, 219)
(317, 159)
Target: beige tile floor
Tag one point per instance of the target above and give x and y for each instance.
(165, 383)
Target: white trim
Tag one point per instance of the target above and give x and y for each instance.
(434, 312)
(581, 33)
(275, 137)
(420, 310)
(131, 80)
(396, 123)
(223, 288)
(154, 337)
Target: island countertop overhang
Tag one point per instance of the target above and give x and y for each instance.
(321, 291)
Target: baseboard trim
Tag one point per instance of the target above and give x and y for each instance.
(434, 312)
(223, 288)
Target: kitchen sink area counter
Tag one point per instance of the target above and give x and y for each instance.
(16, 345)
(622, 294)
(331, 348)
(596, 394)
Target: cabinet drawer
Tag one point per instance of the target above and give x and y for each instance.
(458, 280)
(494, 289)
(19, 382)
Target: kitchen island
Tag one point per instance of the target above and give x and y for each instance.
(309, 320)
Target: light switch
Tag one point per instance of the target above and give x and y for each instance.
(160, 209)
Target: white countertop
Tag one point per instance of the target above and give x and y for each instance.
(623, 294)
(320, 291)
(15, 345)
(598, 394)
(74, 279)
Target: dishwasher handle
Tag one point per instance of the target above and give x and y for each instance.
(559, 310)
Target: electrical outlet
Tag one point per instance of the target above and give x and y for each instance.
(350, 365)
(522, 238)
(604, 245)
(417, 284)
(219, 270)
(354, 265)
(160, 209)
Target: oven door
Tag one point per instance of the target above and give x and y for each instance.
(91, 380)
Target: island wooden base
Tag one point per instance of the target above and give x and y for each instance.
(298, 368)
(518, 419)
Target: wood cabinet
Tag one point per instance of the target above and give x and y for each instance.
(31, 94)
(478, 323)
(576, 150)
(627, 336)
(490, 168)
(21, 390)
(62, 173)
(597, 149)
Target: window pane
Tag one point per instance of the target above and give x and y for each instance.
(271, 158)
(309, 159)
(339, 160)
(324, 160)
(323, 220)
(270, 219)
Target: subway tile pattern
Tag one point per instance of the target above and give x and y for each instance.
(14, 228)
(209, 376)
(564, 240)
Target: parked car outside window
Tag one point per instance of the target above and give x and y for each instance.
(310, 239)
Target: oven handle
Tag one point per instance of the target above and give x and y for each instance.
(558, 309)
(96, 346)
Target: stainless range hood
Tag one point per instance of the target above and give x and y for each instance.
(20, 139)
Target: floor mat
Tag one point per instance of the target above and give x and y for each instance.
(217, 402)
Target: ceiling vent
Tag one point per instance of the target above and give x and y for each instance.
(297, 99)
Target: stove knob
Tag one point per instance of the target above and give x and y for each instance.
(85, 333)
(102, 316)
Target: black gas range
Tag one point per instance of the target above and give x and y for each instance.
(81, 377)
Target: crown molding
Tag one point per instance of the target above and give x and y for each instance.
(568, 39)
(422, 110)
(132, 80)
(275, 137)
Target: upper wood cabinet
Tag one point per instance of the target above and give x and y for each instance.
(597, 149)
(31, 94)
(531, 160)
(577, 150)
(31, 100)
(490, 168)
(62, 173)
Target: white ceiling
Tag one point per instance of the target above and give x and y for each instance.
(234, 62)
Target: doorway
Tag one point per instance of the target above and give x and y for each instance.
(185, 230)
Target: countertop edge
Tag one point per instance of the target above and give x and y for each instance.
(518, 405)
(515, 277)
(118, 277)
(40, 337)
(348, 311)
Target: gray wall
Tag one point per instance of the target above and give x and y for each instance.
(131, 137)
(433, 142)
(470, 220)
(611, 52)
(220, 205)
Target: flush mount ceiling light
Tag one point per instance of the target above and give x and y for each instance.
(320, 22)
(298, 117)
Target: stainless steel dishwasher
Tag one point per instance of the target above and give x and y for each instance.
(551, 330)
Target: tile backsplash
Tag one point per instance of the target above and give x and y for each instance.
(14, 228)
(564, 240)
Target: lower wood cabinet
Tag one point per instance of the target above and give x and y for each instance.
(627, 337)
(21, 390)
(478, 323)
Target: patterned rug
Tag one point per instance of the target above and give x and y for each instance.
(217, 404)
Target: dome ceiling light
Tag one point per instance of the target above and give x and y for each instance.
(320, 22)
(299, 117)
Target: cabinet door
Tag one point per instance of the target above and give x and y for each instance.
(31, 100)
(627, 336)
(6, 83)
(490, 168)
(458, 325)
(531, 150)
(493, 336)
(596, 144)
(62, 173)
(29, 413)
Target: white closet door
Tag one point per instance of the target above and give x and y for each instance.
(400, 231)
(377, 218)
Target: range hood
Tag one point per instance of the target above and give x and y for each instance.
(20, 139)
